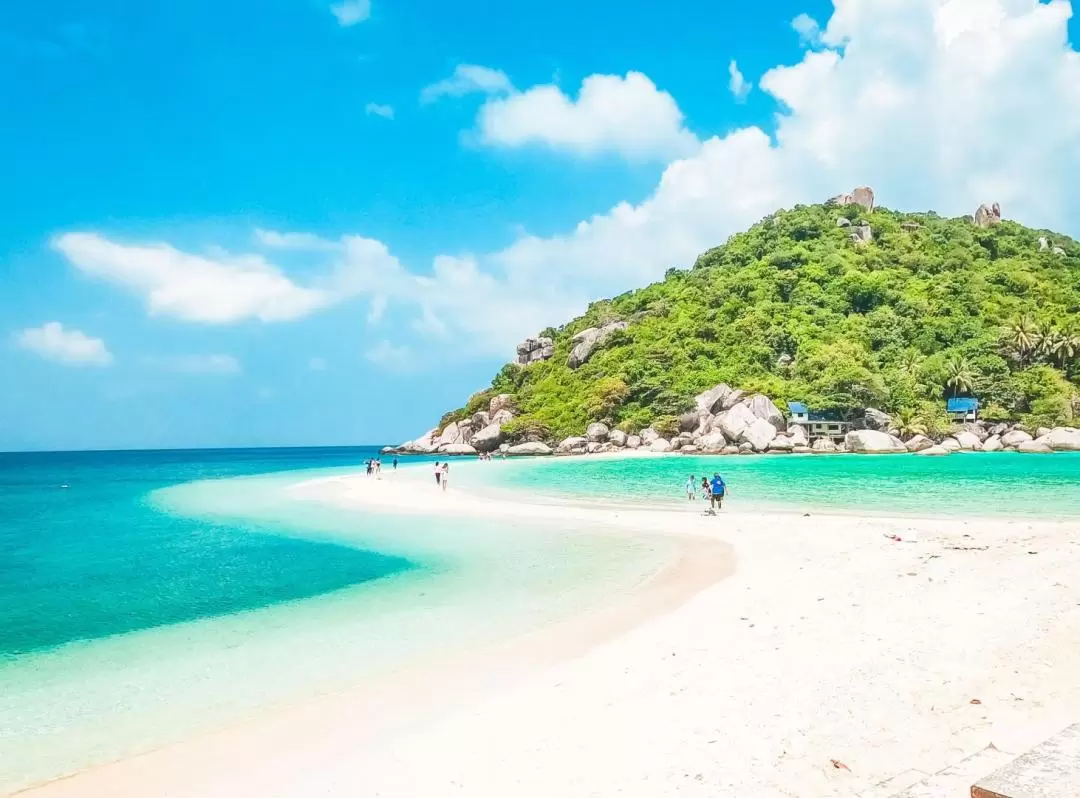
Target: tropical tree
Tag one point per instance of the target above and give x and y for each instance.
(1024, 338)
(909, 422)
(959, 376)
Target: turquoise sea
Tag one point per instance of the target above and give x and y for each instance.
(146, 596)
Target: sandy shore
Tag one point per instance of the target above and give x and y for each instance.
(831, 641)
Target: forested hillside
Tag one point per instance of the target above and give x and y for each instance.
(803, 307)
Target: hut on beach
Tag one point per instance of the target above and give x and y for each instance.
(962, 408)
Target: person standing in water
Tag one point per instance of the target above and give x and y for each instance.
(691, 488)
(438, 473)
(718, 490)
(706, 493)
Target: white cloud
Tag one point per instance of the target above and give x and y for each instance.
(375, 109)
(390, 357)
(738, 85)
(317, 364)
(807, 28)
(377, 309)
(296, 241)
(468, 79)
(627, 115)
(197, 364)
(351, 12)
(70, 347)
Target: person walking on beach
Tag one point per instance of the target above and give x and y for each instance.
(445, 475)
(691, 488)
(718, 490)
(438, 473)
(395, 462)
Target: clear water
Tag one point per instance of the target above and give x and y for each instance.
(978, 484)
(164, 593)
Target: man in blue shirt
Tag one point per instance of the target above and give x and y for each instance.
(718, 489)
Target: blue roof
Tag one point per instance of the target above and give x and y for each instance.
(962, 404)
(798, 407)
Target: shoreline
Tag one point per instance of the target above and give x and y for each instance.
(205, 764)
(832, 640)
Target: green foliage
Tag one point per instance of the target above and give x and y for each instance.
(524, 429)
(793, 309)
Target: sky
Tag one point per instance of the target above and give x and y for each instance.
(298, 222)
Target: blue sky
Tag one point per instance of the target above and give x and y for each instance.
(253, 224)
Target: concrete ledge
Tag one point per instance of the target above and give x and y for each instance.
(1050, 770)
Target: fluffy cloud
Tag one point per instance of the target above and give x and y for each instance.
(738, 85)
(468, 79)
(70, 347)
(375, 109)
(807, 28)
(197, 364)
(627, 115)
(351, 12)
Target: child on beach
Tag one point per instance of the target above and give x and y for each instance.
(705, 492)
(445, 475)
(438, 473)
(691, 488)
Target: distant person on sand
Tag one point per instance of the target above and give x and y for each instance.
(438, 473)
(718, 490)
(395, 462)
(691, 488)
(368, 468)
(445, 475)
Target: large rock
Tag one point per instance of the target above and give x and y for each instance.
(595, 447)
(933, 451)
(488, 439)
(648, 435)
(532, 350)
(968, 441)
(862, 196)
(597, 432)
(481, 419)
(660, 445)
(1034, 447)
(759, 434)
(729, 449)
(918, 443)
(988, 215)
(712, 442)
(689, 450)
(993, 444)
(633, 441)
(876, 419)
(862, 234)
(1014, 438)
(781, 443)
(1041, 431)
(951, 444)
(502, 416)
(763, 407)
(733, 421)
(586, 341)
(452, 433)
(617, 437)
(717, 399)
(572, 445)
(693, 420)
(870, 441)
(1062, 439)
(683, 439)
(503, 401)
(823, 445)
(746, 448)
(797, 433)
(526, 449)
(456, 449)
(976, 428)
(425, 444)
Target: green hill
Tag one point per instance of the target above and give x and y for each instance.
(796, 309)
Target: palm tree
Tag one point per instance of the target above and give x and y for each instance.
(908, 422)
(959, 376)
(1051, 345)
(1025, 337)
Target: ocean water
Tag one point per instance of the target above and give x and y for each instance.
(972, 484)
(148, 596)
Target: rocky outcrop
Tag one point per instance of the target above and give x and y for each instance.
(1014, 438)
(993, 444)
(648, 435)
(597, 432)
(488, 439)
(875, 419)
(660, 445)
(528, 449)
(933, 451)
(763, 407)
(824, 445)
(862, 234)
(1043, 244)
(1057, 251)
(533, 350)
(951, 444)
(425, 444)
(481, 419)
(862, 196)
(712, 442)
(1034, 447)
(618, 437)
(454, 432)
(633, 441)
(988, 215)
(572, 445)
(503, 401)
(869, 441)
(1061, 439)
(457, 449)
(758, 434)
(798, 435)
(719, 398)
(918, 443)
(502, 416)
(843, 221)
(968, 441)
(781, 443)
(586, 341)
(733, 421)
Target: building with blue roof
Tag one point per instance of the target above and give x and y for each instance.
(817, 424)
(962, 408)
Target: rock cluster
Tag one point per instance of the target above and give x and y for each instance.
(533, 350)
(988, 215)
(862, 196)
(586, 342)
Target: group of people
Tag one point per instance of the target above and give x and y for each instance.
(712, 490)
(374, 466)
(442, 474)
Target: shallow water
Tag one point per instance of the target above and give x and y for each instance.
(139, 607)
(976, 484)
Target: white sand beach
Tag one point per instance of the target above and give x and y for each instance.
(771, 647)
